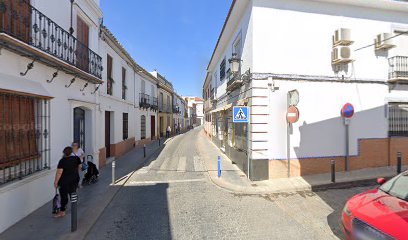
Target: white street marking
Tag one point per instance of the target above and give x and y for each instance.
(198, 166)
(165, 165)
(168, 181)
(181, 167)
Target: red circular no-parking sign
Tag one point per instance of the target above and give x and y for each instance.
(292, 115)
(347, 111)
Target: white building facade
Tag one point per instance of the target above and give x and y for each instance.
(324, 50)
(47, 90)
(59, 84)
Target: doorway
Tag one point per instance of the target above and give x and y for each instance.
(161, 126)
(79, 127)
(153, 127)
(107, 133)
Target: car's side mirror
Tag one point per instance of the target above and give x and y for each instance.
(381, 181)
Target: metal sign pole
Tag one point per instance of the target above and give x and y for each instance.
(347, 123)
(248, 157)
(288, 147)
(288, 136)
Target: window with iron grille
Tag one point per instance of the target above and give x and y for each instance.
(222, 69)
(125, 126)
(109, 82)
(124, 87)
(398, 119)
(143, 127)
(24, 136)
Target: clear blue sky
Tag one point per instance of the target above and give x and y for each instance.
(176, 37)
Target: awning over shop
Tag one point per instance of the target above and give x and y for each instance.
(22, 86)
(222, 108)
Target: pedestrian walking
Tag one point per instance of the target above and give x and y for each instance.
(168, 131)
(67, 177)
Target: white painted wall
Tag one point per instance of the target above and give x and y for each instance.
(114, 103)
(34, 191)
(295, 37)
(242, 30)
(65, 99)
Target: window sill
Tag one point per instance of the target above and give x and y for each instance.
(18, 183)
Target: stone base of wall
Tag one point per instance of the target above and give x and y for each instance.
(372, 153)
(120, 148)
(102, 157)
(140, 143)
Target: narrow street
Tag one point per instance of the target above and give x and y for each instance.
(172, 198)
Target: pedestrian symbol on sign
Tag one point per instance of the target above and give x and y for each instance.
(240, 115)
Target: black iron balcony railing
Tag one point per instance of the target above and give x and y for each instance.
(24, 22)
(176, 109)
(154, 104)
(398, 68)
(165, 108)
(234, 81)
(144, 101)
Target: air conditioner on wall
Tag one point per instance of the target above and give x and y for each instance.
(383, 41)
(342, 36)
(341, 54)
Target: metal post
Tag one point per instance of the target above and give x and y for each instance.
(74, 211)
(113, 171)
(144, 150)
(159, 141)
(399, 162)
(288, 135)
(219, 166)
(248, 152)
(333, 170)
(288, 147)
(346, 163)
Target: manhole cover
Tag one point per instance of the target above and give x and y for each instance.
(254, 185)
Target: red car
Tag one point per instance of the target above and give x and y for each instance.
(380, 213)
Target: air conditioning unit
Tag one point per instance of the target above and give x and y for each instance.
(383, 41)
(342, 37)
(341, 54)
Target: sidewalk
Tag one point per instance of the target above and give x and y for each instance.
(92, 200)
(234, 180)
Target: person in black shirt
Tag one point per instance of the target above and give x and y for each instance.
(67, 177)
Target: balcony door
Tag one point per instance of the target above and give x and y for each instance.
(82, 53)
(79, 127)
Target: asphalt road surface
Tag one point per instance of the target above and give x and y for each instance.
(172, 198)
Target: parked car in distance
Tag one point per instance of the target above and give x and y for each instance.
(380, 213)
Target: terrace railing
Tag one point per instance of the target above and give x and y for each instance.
(22, 21)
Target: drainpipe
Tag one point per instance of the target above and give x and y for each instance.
(71, 29)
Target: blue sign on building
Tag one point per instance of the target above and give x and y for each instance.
(240, 114)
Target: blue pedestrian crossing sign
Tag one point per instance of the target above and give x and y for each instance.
(240, 114)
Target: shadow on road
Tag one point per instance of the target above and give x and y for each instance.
(137, 212)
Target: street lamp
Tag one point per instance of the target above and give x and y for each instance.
(235, 63)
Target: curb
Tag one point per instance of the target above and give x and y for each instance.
(231, 188)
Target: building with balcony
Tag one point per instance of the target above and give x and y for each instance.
(128, 101)
(195, 111)
(316, 56)
(165, 99)
(50, 70)
(179, 113)
(148, 110)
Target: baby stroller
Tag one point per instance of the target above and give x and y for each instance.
(91, 175)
